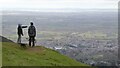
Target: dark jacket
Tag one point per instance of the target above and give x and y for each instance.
(20, 32)
(32, 31)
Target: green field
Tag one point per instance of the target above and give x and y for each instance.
(14, 55)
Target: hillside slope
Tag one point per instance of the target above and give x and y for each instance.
(14, 55)
(3, 39)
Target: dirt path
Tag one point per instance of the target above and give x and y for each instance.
(36, 49)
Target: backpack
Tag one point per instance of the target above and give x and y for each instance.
(31, 31)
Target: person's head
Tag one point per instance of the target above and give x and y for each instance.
(19, 24)
(31, 23)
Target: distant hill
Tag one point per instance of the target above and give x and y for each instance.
(14, 55)
(3, 39)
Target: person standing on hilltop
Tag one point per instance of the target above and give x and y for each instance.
(20, 32)
(32, 34)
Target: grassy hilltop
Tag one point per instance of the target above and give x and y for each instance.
(14, 55)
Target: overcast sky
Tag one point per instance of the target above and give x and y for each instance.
(58, 4)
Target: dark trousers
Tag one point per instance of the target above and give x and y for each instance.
(31, 40)
(19, 39)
